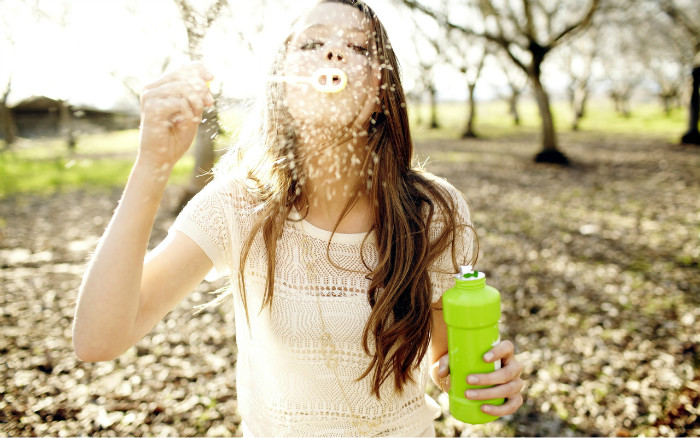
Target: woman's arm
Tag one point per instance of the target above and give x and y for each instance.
(121, 297)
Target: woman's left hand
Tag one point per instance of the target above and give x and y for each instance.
(506, 381)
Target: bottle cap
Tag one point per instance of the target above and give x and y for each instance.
(467, 272)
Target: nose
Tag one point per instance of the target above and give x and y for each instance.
(334, 54)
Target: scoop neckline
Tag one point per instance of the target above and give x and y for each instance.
(313, 231)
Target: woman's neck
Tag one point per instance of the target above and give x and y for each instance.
(334, 178)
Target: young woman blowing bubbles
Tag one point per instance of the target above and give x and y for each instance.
(337, 248)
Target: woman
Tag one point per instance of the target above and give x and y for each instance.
(337, 248)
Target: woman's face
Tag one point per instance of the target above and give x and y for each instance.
(336, 36)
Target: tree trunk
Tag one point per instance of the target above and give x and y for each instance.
(66, 124)
(433, 107)
(666, 102)
(578, 102)
(7, 122)
(203, 156)
(513, 107)
(693, 135)
(471, 113)
(549, 153)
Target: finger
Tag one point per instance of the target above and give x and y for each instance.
(171, 109)
(506, 390)
(193, 92)
(444, 365)
(509, 407)
(178, 88)
(503, 375)
(185, 72)
(502, 350)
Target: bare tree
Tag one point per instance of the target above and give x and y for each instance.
(196, 24)
(526, 31)
(472, 73)
(516, 82)
(7, 121)
(685, 16)
(577, 61)
(428, 53)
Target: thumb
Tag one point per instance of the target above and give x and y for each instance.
(443, 367)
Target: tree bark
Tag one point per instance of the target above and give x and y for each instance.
(433, 107)
(9, 128)
(513, 106)
(549, 153)
(578, 104)
(209, 129)
(471, 113)
(693, 135)
(203, 156)
(7, 119)
(66, 124)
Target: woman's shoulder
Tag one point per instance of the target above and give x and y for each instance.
(231, 191)
(456, 199)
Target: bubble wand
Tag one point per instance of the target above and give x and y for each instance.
(325, 80)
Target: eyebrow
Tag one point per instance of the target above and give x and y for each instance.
(323, 26)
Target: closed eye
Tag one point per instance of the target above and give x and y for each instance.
(312, 45)
(358, 48)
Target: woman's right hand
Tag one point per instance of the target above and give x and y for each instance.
(171, 110)
(441, 373)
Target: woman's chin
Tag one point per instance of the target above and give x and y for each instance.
(323, 122)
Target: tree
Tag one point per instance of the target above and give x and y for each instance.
(526, 32)
(517, 84)
(8, 127)
(428, 53)
(685, 16)
(472, 73)
(7, 122)
(197, 23)
(578, 59)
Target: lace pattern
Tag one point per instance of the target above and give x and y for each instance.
(287, 382)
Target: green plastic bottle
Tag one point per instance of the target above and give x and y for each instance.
(471, 310)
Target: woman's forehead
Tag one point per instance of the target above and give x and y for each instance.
(333, 16)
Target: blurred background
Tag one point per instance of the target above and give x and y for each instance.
(571, 126)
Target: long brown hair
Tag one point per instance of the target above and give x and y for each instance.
(407, 204)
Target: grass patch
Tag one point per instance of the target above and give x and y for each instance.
(46, 176)
(493, 120)
(45, 165)
(99, 161)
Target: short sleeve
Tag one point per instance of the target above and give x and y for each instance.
(442, 271)
(206, 219)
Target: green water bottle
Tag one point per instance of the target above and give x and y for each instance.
(471, 310)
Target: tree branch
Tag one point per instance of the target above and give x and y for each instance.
(214, 10)
(679, 16)
(576, 27)
(529, 22)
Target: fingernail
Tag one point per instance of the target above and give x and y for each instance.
(471, 394)
(486, 408)
(488, 356)
(473, 380)
(444, 364)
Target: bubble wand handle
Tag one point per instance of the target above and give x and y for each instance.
(325, 80)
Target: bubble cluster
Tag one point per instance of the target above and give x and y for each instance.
(333, 110)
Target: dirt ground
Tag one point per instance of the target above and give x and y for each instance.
(597, 264)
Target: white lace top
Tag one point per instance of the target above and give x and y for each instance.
(298, 360)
